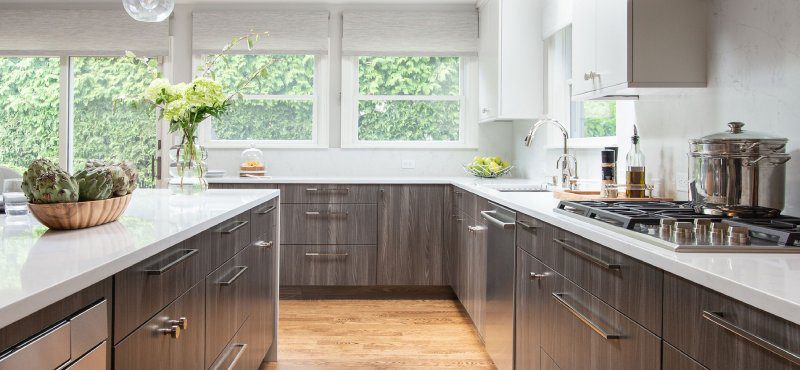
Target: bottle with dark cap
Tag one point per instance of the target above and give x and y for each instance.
(609, 172)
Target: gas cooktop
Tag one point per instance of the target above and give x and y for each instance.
(676, 226)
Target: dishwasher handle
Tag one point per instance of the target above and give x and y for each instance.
(489, 216)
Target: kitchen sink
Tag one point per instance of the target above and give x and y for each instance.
(518, 188)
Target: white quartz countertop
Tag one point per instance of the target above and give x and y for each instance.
(39, 266)
(765, 281)
(330, 180)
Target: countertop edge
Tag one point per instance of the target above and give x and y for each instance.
(34, 302)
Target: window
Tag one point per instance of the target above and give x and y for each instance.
(32, 125)
(585, 119)
(29, 105)
(102, 129)
(404, 101)
(279, 109)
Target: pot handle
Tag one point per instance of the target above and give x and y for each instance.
(774, 162)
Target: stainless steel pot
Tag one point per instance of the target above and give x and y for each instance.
(738, 173)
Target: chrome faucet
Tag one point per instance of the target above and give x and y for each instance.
(566, 162)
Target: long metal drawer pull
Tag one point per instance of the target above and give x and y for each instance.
(326, 214)
(718, 319)
(526, 225)
(597, 329)
(314, 254)
(489, 216)
(328, 190)
(185, 254)
(265, 211)
(230, 281)
(587, 256)
(263, 244)
(239, 355)
(237, 225)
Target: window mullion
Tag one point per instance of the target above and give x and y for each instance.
(65, 114)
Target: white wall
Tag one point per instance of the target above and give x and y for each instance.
(337, 161)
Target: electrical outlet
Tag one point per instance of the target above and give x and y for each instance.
(681, 184)
(408, 164)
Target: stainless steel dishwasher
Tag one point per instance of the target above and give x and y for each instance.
(500, 258)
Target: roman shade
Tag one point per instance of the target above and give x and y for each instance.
(290, 32)
(556, 14)
(53, 32)
(447, 33)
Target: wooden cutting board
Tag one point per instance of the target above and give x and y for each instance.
(581, 195)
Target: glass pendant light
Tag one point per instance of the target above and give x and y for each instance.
(149, 10)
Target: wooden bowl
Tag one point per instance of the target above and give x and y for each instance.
(79, 215)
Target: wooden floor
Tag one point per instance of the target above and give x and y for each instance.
(377, 334)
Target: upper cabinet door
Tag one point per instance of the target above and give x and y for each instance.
(584, 46)
(612, 42)
(489, 55)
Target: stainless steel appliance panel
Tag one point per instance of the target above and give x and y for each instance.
(500, 262)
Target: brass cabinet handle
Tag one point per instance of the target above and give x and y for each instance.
(237, 225)
(236, 276)
(719, 319)
(263, 244)
(173, 331)
(587, 256)
(315, 254)
(597, 329)
(326, 214)
(182, 323)
(537, 276)
(267, 210)
(525, 225)
(328, 190)
(185, 254)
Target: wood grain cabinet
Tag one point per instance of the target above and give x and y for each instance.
(471, 269)
(329, 224)
(529, 293)
(410, 235)
(328, 265)
(172, 339)
(722, 333)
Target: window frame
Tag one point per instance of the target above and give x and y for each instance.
(320, 127)
(468, 122)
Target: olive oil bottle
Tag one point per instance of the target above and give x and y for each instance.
(634, 175)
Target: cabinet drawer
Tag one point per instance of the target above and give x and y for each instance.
(722, 333)
(226, 239)
(328, 193)
(228, 292)
(581, 332)
(154, 346)
(628, 285)
(48, 350)
(237, 354)
(263, 218)
(328, 264)
(528, 233)
(329, 224)
(677, 360)
(465, 202)
(528, 308)
(147, 287)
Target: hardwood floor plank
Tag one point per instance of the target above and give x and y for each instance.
(377, 334)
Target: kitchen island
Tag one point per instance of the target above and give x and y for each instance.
(163, 249)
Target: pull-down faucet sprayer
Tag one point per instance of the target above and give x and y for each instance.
(566, 162)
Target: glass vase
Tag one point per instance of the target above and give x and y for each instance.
(187, 167)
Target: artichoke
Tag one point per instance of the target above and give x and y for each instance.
(54, 186)
(124, 175)
(133, 176)
(119, 180)
(36, 169)
(94, 184)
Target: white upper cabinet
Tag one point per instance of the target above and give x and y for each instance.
(621, 47)
(510, 60)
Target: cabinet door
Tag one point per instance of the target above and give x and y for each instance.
(612, 42)
(489, 60)
(528, 306)
(459, 256)
(262, 298)
(476, 274)
(584, 45)
(153, 347)
(448, 252)
(410, 235)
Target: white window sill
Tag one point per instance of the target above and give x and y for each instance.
(408, 145)
(262, 145)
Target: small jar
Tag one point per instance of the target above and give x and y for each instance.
(608, 173)
(252, 162)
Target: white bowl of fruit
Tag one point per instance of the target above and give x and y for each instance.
(488, 167)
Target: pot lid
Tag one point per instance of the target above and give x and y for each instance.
(738, 133)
